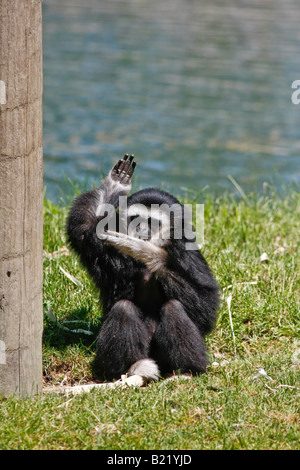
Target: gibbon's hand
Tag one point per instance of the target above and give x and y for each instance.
(123, 170)
(123, 241)
(152, 256)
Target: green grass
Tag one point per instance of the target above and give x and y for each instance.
(232, 406)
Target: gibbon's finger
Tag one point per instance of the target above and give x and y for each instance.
(117, 166)
(123, 166)
(125, 173)
(127, 162)
(131, 169)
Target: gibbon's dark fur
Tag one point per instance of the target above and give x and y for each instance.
(162, 315)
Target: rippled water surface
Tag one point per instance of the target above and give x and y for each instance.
(197, 90)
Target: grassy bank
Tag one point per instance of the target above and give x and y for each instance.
(249, 398)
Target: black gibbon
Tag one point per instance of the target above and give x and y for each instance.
(159, 299)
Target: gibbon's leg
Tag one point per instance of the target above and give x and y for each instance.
(123, 340)
(177, 344)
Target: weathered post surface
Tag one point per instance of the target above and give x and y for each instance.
(21, 203)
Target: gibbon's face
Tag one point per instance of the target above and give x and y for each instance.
(148, 224)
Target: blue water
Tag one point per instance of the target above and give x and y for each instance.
(197, 90)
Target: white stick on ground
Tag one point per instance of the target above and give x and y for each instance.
(132, 381)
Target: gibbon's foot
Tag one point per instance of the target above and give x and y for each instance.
(147, 368)
(123, 169)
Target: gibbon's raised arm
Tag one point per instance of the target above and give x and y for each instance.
(86, 209)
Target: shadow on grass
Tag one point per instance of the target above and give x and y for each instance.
(69, 348)
(74, 329)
